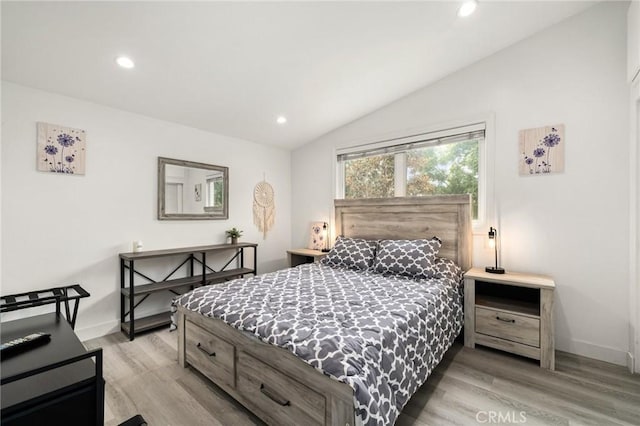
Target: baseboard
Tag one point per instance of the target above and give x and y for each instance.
(592, 350)
(98, 330)
(630, 362)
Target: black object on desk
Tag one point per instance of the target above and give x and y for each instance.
(21, 344)
(57, 383)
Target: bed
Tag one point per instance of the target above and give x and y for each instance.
(322, 344)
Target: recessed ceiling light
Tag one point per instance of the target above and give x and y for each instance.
(467, 8)
(125, 62)
(281, 120)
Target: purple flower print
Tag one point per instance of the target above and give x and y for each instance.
(51, 150)
(538, 153)
(65, 140)
(57, 160)
(543, 149)
(528, 161)
(551, 140)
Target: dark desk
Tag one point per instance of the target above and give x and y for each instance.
(57, 383)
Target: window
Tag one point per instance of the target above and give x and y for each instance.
(369, 177)
(447, 162)
(214, 194)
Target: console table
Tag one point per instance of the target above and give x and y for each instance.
(56, 383)
(195, 257)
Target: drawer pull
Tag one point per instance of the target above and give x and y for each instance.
(199, 346)
(273, 397)
(505, 319)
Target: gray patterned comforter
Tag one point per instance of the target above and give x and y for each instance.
(381, 335)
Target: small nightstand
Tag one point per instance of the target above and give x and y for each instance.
(299, 256)
(512, 312)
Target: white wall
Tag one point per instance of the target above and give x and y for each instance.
(633, 40)
(59, 229)
(634, 231)
(633, 67)
(573, 226)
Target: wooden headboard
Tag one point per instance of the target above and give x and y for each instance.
(447, 217)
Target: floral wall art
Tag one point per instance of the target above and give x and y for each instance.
(61, 149)
(542, 150)
(316, 237)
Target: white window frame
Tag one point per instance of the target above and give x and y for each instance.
(486, 201)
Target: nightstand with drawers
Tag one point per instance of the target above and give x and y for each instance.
(512, 312)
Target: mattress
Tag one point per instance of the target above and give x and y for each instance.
(382, 335)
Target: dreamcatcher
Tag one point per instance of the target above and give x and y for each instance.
(264, 208)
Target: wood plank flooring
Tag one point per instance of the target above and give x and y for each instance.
(469, 387)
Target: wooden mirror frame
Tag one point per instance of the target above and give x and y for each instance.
(205, 215)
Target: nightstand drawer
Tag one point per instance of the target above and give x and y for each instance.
(513, 327)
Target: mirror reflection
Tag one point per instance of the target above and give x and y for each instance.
(190, 190)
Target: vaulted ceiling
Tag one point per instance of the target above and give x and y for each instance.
(233, 67)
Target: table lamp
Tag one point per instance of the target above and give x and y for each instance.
(325, 237)
(493, 235)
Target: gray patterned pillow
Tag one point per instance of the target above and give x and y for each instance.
(352, 253)
(447, 268)
(412, 258)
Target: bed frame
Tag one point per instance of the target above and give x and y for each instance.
(272, 382)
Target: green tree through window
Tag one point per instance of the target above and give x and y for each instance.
(449, 168)
(444, 169)
(369, 177)
(215, 192)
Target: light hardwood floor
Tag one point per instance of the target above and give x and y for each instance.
(468, 387)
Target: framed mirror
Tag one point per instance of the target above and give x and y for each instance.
(190, 190)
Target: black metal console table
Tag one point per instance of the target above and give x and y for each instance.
(129, 290)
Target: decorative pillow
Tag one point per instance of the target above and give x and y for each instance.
(352, 253)
(412, 258)
(447, 268)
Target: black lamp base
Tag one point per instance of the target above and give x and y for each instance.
(494, 270)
